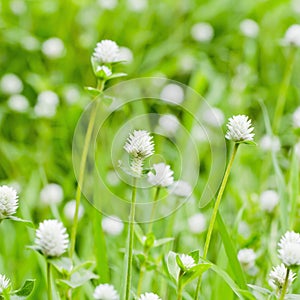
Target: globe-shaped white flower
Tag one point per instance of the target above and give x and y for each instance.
(11, 84)
(106, 52)
(112, 225)
(105, 292)
(51, 238)
(247, 257)
(202, 32)
(249, 28)
(268, 200)
(289, 249)
(239, 129)
(8, 201)
(69, 210)
(162, 176)
(181, 188)
(197, 223)
(4, 283)
(292, 36)
(52, 194)
(18, 103)
(270, 143)
(277, 277)
(149, 296)
(187, 261)
(53, 48)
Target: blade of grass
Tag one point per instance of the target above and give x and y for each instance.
(293, 189)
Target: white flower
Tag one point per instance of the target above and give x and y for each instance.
(296, 118)
(239, 129)
(46, 105)
(277, 277)
(139, 145)
(53, 48)
(51, 238)
(270, 143)
(69, 210)
(214, 117)
(103, 71)
(126, 54)
(137, 5)
(187, 261)
(71, 94)
(4, 283)
(197, 223)
(149, 296)
(168, 124)
(181, 188)
(8, 201)
(18, 103)
(108, 4)
(296, 6)
(202, 32)
(268, 200)
(249, 28)
(106, 52)
(292, 36)
(163, 175)
(105, 292)
(247, 257)
(112, 225)
(18, 7)
(11, 84)
(30, 43)
(172, 93)
(289, 248)
(52, 194)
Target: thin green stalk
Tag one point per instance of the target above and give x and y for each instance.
(86, 145)
(215, 212)
(179, 286)
(283, 89)
(153, 209)
(285, 285)
(49, 285)
(130, 242)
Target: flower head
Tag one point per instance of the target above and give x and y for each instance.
(8, 201)
(289, 248)
(202, 32)
(53, 48)
(69, 210)
(163, 176)
(268, 200)
(105, 292)
(52, 194)
(11, 84)
(277, 277)
(197, 223)
(106, 52)
(4, 283)
(249, 28)
(181, 188)
(51, 238)
(149, 296)
(292, 36)
(270, 143)
(112, 225)
(239, 129)
(247, 257)
(187, 261)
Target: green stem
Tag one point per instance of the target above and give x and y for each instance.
(49, 285)
(81, 172)
(283, 89)
(130, 242)
(285, 285)
(215, 211)
(179, 286)
(153, 209)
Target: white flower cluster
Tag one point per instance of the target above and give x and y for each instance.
(247, 258)
(105, 292)
(52, 194)
(47, 102)
(106, 52)
(268, 200)
(239, 129)
(289, 249)
(277, 277)
(163, 176)
(8, 201)
(187, 261)
(292, 36)
(149, 296)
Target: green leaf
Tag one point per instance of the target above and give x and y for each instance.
(150, 239)
(194, 273)
(79, 278)
(117, 75)
(92, 91)
(172, 266)
(260, 289)
(180, 263)
(161, 242)
(139, 233)
(16, 219)
(63, 265)
(231, 253)
(85, 265)
(195, 255)
(26, 289)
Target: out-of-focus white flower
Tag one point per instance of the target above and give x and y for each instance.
(289, 248)
(149, 296)
(8, 201)
(181, 188)
(53, 48)
(239, 129)
(202, 32)
(162, 177)
(106, 52)
(126, 55)
(105, 292)
(244, 229)
(18, 103)
(292, 36)
(187, 261)
(270, 143)
(197, 223)
(11, 84)
(46, 105)
(108, 4)
(4, 283)
(18, 7)
(52, 194)
(169, 124)
(112, 225)
(112, 178)
(172, 93)
(71, 94)
(199, 134)
(296, 6)
(69, 210)
(247, 257)
(137, 5)
(30, 43)
(249, 28)
(139, 146)
(277, 277)
(51, 238)
(296, 118)
(214, 117)
(268, 200)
